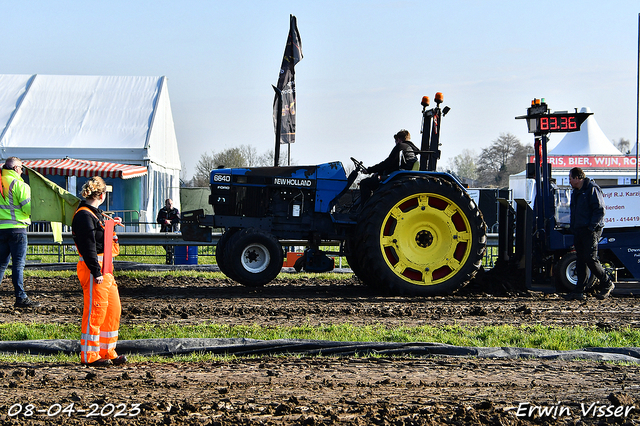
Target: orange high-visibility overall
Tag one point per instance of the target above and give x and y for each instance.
(101, 313)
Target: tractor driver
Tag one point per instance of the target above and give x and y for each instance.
(403, 157)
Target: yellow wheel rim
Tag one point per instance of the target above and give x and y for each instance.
(425, 239)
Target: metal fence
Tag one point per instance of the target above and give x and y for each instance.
(130, 221)
(150, 245)
(137, 244)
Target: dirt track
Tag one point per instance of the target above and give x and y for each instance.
(292, 390)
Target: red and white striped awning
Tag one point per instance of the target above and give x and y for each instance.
(85, 168)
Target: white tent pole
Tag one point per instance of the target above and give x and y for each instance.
(637, 97)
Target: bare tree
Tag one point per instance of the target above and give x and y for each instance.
(266, 159)
(241, 156)
(505, 156)
(231, 157)
(203, 168)
(623, 145)
(184, 182)
(464, 164)
(250, 154)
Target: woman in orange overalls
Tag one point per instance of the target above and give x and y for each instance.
(101, 313)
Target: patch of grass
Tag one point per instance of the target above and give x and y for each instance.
(154, 255)
(141, 275)
(534, 336)
(41, 273)
(529, 336)
(129, 253)
(35, 331)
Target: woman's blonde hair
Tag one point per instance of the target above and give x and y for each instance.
(93, 188)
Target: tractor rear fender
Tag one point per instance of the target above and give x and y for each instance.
(441, 175)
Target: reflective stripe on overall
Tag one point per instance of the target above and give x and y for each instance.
(100, 315)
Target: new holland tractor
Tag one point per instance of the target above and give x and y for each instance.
(420, 233)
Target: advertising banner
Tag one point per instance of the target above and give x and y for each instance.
(590, 161)
(622, 206)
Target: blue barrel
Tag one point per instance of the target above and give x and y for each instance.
(185, 255)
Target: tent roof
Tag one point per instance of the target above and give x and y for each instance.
(590, 140)
(106, 118)
(84, 168)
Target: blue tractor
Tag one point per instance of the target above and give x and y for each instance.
(419, 234)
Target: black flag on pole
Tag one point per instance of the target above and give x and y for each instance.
(284, 104)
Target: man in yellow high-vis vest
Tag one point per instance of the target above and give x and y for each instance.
(15, 212)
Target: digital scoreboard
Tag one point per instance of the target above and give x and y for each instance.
(558, 122)
(541, 121)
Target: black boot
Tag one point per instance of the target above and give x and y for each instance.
(605, 290)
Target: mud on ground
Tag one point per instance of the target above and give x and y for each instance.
(319, 391)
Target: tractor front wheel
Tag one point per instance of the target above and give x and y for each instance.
(254, 258)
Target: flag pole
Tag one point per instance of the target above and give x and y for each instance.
(284, 104)
(276, 151)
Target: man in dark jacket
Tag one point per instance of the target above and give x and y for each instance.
(587, 221)
(168, 218)
(403, 157)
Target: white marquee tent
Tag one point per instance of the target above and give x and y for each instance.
(590, 140)
(125, 120)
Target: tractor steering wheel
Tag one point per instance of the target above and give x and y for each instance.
(359, 166)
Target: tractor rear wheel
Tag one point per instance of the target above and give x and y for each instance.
(420, 236)
(254, 258)
(351, 254)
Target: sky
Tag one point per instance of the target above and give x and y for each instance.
(365, 68)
